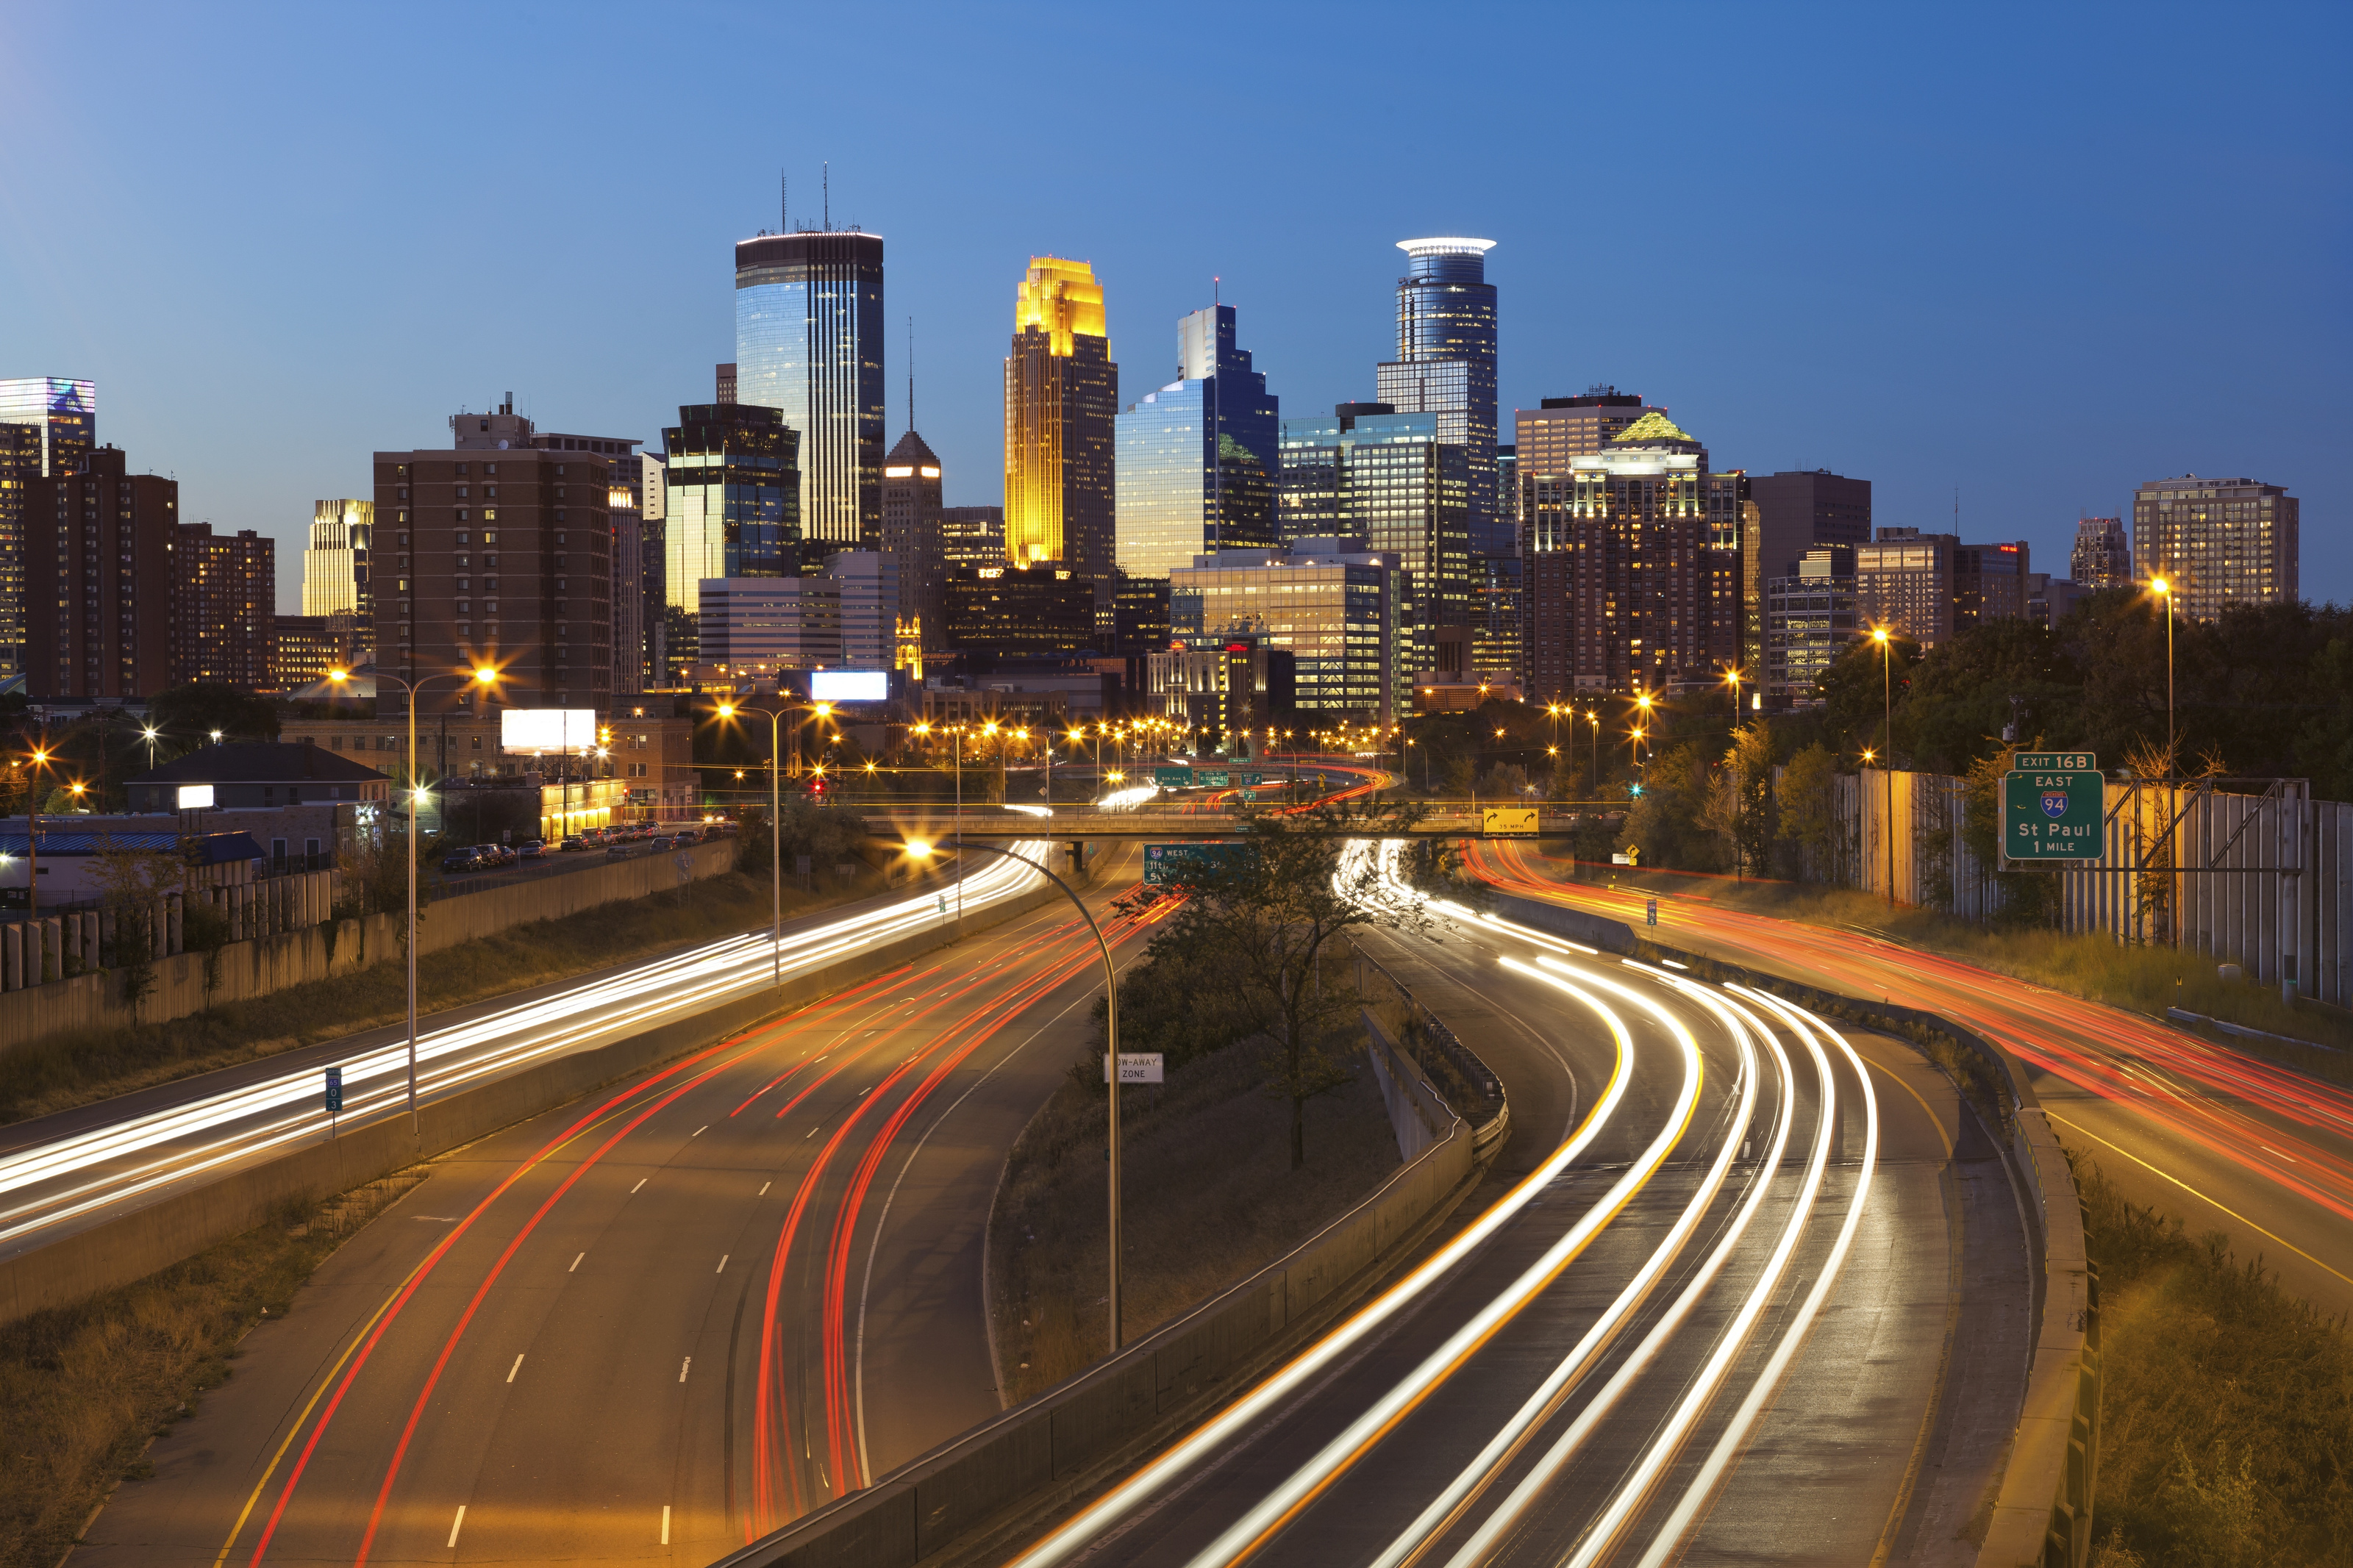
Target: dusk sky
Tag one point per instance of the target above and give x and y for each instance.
(2039, 255)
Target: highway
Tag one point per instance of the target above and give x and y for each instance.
(1741, 1288)
(61, 1173)
(2228, 1141)
(655, 1323)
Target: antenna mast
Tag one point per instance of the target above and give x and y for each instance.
(911, 373)
(783, 202)
(828, 177)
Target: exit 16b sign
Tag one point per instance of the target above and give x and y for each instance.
(2052, 812)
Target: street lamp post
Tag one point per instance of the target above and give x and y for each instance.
(776, 830)
(919, 850)
(1887, 743)
(2164, 591)
(483, 676)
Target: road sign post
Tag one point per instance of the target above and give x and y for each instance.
(2052, 803)
(1137, 1067)
(335, 1099)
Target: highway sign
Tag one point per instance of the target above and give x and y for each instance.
(334, 1091)
(2055, 762)
(1172, 865)
(1137, 1067)
(1650, 912)
(1210, 778)
(2052, 814)
(1519, 819)
(1173, 778)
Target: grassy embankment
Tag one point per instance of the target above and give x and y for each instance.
(2227, 1423)
(83, 1389)
(1209, 1200)
(74, 1069)
(2144, 979)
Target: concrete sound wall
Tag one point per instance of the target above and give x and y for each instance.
(330, 949)
(137, 1243)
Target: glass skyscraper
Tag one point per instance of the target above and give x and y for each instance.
(1197, 458)
(808, 341)
(731, 504)
(1445, 366)
(1330, 604)
(48, 426)
(1061, 398)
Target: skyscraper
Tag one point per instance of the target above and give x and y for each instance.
(911, 537)
(1795, 511)
(808, 341)
(1198, 458)
(971, 536)
(224, 607)
(2103, 555)
(2220, 541)
(335, 563)
(98, 557)
(1445, 366)
(1062, 399)
(731, 507)
(48, 426)
(1904, 581)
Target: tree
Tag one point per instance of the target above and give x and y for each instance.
(1666, 824)
(132, 884)
(1252, 935)
(187, 715)
(1808, 809)
(1745, 783)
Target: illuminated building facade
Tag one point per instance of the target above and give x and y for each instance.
(1329, 603)
(1387, 480)
(336, 562)
(808, 342)
(751, 627)
(912, 491)
(49, 428)
(1197, 458)
(305, 647)
(731, 507)
(224, 607)
(1904, 581)
(98, 557)
(1061, 403)
(1018, 612)
(972, 536)
(2102, 557)
(2220, 541)
(1990, 582)
(498, 553)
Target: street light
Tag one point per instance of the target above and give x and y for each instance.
(1887, 742)
(484, 675)
(33, 835)
(2164, 591)
(1732, 676)
(918, 850)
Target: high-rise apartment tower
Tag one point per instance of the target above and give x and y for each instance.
(48, 426)
(2103, 555)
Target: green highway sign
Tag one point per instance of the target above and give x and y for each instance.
(1173, 778)
(1175, 865)
(2052, 814)
(2055, 762)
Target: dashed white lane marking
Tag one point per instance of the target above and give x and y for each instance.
(700, 1130)
(665, 1540)
(514, 1369)
(814, 1132)
(764, 1189)
(723, 1263)
(575, 1263)
(682, 1366)
(641, 1182)
(456, 1525)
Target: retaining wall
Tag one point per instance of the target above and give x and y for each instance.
(330, 949)
(135, 1244)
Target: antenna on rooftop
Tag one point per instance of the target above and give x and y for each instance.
(783, 202)
(911, 373)
(826, 175)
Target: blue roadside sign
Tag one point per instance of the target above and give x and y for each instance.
(334, 1091)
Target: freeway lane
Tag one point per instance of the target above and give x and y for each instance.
(2228, 1141)
(650, 1324)
(1738, 1304)
(60, 1174)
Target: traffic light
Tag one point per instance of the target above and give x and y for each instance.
(1636, 792)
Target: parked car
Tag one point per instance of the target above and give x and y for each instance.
(459, 861)
(616, 852)
(531, 849)
(574, 842)
(493, 855)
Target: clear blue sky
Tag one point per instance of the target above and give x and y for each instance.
(2040, 254)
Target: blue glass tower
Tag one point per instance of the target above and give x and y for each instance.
(1198, 460)
(808, 341)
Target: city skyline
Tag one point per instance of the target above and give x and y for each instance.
(1906, 357)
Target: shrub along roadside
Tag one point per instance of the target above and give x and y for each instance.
(2227, 1423)
(84, 1388)
(76, 1069)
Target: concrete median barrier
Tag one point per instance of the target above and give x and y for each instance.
(144, 1240)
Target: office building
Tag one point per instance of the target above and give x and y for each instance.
(1061, 404)
(751, 628)
(1498, 601)
(501, 556)
(1445, 366)
(1810, 618)
(1330, 604)
(653, 543)
(1904, 581)
(1795, 510)
(1139, 616)
(731, 507)
(336, 562)
(1989, 583)
(971, 536)
(2219, 542)
(2102, 557)
(866, 583)
(1387, 479)
(2051, 600)
(1198, 457)
(1645, 566)
(912, 538)
(224, 607)
(49, 428)
(305, 648)
(725, 383)
(1545, 440)
(97, 561)
(808, 342)
(1018, 612)
(629, 556)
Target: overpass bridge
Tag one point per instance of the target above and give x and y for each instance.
(1076, 823)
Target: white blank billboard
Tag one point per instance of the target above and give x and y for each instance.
(522, 730)
(850, 685)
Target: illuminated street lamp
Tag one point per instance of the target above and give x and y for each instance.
(1887, 742)
(481, 676)
(2164, 591)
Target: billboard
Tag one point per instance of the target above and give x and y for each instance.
(850, 686)
(195, 797)
(525, 731)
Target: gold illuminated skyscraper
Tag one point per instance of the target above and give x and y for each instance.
(1062, 397)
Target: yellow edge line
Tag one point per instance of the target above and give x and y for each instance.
(2194, 1193)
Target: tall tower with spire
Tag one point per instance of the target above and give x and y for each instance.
(1061, 398)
